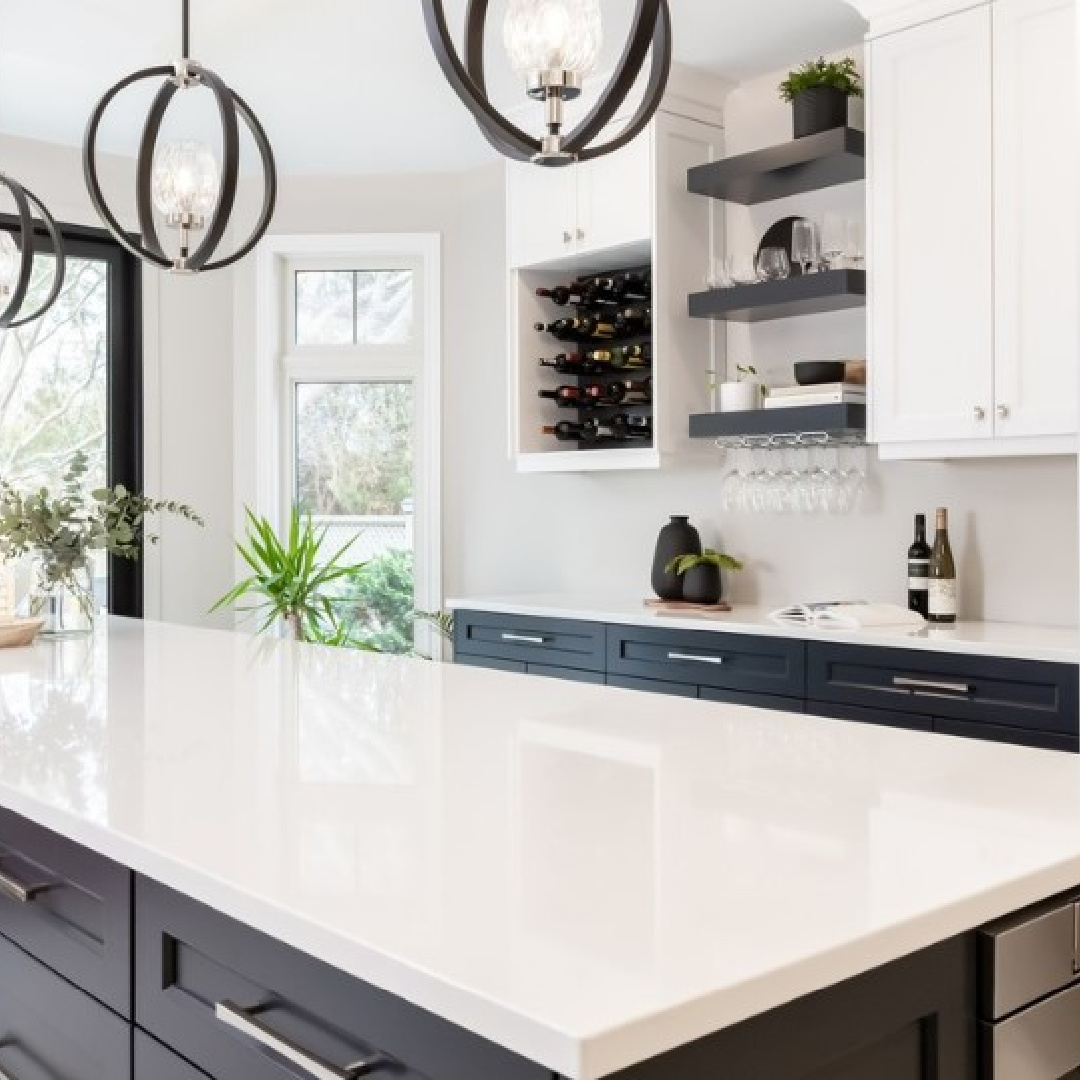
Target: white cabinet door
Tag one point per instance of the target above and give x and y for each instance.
(541, 213)
(615, 197)
(1037, 269)
(931, 288)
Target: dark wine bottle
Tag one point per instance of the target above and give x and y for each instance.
(579, 328)
(575, 364)
(562, 295)
(567, 431)
(563, 394)
(918, 561)
(626, 426)
(635, 320)
(636, 285)
(941, 602)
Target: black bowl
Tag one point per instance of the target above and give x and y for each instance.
(816, 372)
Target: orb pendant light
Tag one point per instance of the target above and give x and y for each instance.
(17, 258)
(555, 44)
(183, 182)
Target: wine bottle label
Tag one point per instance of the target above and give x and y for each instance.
(918, 575)
(942, 596)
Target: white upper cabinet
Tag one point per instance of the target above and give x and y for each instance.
(973, 170)
(580, 209)
(931, 291)
(1037, 271)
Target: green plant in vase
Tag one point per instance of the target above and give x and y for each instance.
(63, 530)
(702, 582)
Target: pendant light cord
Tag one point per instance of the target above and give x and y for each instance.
(186, 29)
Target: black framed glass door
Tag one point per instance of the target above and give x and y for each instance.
(72, 382)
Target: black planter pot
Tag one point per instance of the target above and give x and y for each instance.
(702, 584)
(821, 108)
(677, 537)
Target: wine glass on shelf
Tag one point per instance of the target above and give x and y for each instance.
(773, 264)
(743, 269)
(834, 239)
(855, 246)
(805, 245)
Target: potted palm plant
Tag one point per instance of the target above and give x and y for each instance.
(700, 575)
(818, 92)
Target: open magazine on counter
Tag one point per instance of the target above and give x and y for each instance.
(848, 615)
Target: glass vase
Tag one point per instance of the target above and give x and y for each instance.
(66, 604)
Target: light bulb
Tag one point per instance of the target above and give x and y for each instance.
(10, 263)
(553, 35)
(185, 182)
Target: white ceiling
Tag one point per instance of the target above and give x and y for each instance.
(341, 85)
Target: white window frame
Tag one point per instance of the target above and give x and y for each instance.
(280, 365)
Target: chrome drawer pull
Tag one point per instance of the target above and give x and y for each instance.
(243, 1021)
(15, 890)
(528, 639)
(901, 682)
(695, 659)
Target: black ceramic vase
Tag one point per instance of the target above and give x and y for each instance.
(677, 537)
(821, 108)
(702, 584)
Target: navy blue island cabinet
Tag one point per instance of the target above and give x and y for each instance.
(1025, 702)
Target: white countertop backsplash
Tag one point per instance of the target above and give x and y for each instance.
(588, 876)
(1007, 640)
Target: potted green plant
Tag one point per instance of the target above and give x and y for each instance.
(61, 532)
(700, 575)
(818, 92)
(294, 582)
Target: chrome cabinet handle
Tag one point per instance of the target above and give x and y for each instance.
(695, 659)
(581, 234)
(242, 1020)
(567, 236)
(528, 639)
(902, 682)
(16, 890)
(980, 413)
(1003, 412)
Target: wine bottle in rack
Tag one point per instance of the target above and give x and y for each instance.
(579, 294)
(575, 364)
(634, 320)
(565, 395)
(636, 285)
(567, 431)
(626, 426)
(579, 328)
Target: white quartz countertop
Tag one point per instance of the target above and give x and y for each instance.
(588, 876)
(1008, 640)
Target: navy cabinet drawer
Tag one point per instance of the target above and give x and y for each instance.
(552, 642)
(51, 1030)
(1009, 693)
(862, 715)
(195, 968)
(756, 701)
(652, 686)
(67, 906)
(757, 665)
(1042, 740)
(154, 1062)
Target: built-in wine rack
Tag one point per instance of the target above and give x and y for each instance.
(594, 361)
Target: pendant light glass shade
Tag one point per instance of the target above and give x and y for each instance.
(553, 35)
(555, 44)
(183, 183)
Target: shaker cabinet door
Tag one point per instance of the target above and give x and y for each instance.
(1037, 265)
(542, 213)
(615, 196)
(930, 170)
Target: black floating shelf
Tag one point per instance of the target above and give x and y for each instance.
(839, 421)
(807, 164)
(801, 294)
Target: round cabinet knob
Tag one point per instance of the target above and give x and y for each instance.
(980, 414)
(1003, 412)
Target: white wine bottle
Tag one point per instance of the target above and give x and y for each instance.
(941, 603)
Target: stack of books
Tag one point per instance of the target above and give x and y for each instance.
(790, 397)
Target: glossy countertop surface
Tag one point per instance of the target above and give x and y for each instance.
(588, 876)
(1018, 641)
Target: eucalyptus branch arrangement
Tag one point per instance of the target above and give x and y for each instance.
(62, 529)
(840, 75)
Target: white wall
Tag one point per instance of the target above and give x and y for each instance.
(188, 337)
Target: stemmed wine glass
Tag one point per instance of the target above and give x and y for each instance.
(805, 245)
(834, 239)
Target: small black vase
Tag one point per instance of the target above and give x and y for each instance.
(821, 108)
(702, 584)
(677, 537)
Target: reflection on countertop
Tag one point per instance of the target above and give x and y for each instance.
(586, 875)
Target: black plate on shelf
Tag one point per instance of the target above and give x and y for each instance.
(778, 235)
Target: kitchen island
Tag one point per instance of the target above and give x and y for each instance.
(506, 876)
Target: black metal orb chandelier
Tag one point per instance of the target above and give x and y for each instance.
(17, 258)
(183, 181)
(554, 44)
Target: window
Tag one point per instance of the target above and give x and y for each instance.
(70, 382)
(356, 401)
